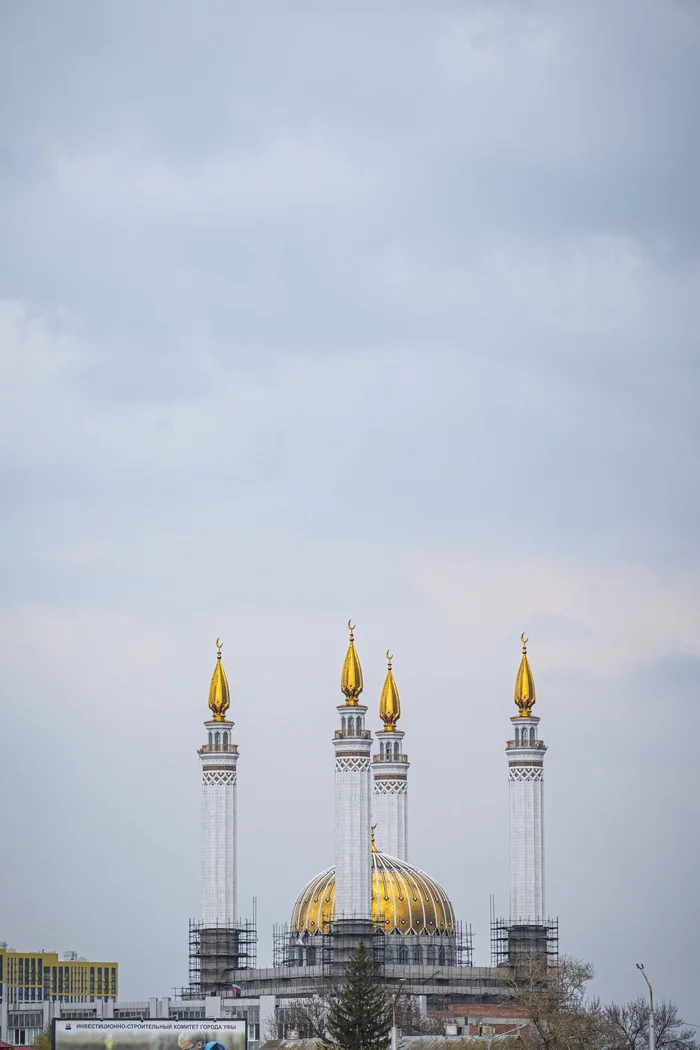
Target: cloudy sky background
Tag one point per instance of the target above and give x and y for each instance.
(376, 310)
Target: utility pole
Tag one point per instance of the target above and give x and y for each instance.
(394, 1029)
(652, 1033)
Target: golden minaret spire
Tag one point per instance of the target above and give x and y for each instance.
(351, 675)
(219, 696)
(524, 683)
(389, 703)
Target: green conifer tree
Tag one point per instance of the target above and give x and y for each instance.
(360, 1017)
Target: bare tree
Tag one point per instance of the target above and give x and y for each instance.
(553, 999)
(628, 1027)
(307, 1016)
(410, 1021)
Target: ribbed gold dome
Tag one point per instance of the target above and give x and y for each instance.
(404, 900)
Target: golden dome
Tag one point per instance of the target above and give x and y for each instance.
(389, 703)
(404, 900)
(524, 684)
(219, 696)
(351, 675)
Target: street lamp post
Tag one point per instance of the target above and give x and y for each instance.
(394, 1031)
(652, 1033)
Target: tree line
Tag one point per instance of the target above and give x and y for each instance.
(358, 1014)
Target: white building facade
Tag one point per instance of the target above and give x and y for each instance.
(525, 753)
(390, 777)
(352, 743)
(218, 759)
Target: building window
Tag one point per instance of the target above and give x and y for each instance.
(402, 955)
(532, 734)
(441, 955)
(92, 980)
(343, 723)
(210, 738)
(351, 726)
(417, 954)
(226, 739)
(114, 980)
(396, 747)
(217, 738)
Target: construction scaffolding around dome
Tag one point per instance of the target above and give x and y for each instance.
(320, 952)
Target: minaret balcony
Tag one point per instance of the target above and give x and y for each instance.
(350, 734)
(210, 748)
(390, 758)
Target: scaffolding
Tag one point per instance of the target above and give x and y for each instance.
(327, 949)
(515, 942)
(217, 950)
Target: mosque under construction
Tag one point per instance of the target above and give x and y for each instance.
(372, 893)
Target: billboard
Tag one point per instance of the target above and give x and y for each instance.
(149, 1035)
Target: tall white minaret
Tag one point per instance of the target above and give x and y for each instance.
(352, 744)
(525, 788)
(390, 772)
(218, 758)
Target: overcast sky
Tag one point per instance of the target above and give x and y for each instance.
(384, 310)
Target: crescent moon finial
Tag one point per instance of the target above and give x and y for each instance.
(524, 640)
(351, 627)
(218, 647)
(389, 657)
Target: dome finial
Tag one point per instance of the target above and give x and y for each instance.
(373, 847)
(524, 683)
(351, 675)
(219, 696)
(389, 703)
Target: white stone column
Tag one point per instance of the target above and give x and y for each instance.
(218, 758)
(525, 788)
(390, 795)
(353, 864)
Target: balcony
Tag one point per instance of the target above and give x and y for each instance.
(531, 744)
(208, 749)
(352, 734)
(392, 758)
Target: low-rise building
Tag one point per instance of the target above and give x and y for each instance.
(31, 981)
